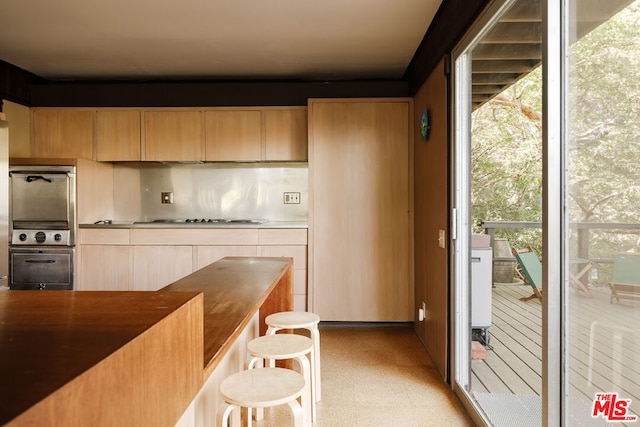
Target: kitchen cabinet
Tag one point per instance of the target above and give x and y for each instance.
(205, 255)
(118, 135)
(210, 134)
(105, 268)
(63, 133)
(285, 134)
(234, 135)
(151, 258)
(173, 135)
(267, 133)
(359, 222)
(155, 267)
(104, 260)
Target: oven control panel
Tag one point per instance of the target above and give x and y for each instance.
(41, 237)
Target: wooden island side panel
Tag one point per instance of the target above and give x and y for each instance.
(122, 358)
(243, 287)
(99, 358)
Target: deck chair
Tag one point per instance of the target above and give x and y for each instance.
(625, 283)
(532, 269)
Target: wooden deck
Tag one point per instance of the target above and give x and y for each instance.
(604, 346)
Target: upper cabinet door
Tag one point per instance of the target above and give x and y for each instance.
(173, 135)
(118, 136)
(233, 135)
(63, 133)
(286, 134)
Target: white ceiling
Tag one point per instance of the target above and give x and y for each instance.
(213, 39)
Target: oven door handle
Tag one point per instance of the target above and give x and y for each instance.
(32, 178)
(40, 261)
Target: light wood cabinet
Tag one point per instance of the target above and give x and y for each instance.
(104, 260)
(118, 136)
(205, 255)
(151, 258)
(63, 133)
(359, 222)
(105, 268)
(234, 135)
(286, 134)
(274, 134)
(155, 267)
(211, 134)
(173, 135)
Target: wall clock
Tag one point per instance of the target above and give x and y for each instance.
(424, 124)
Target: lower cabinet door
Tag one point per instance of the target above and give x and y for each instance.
(155, 267)
(105, 268)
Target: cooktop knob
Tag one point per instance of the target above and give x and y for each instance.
(22, 237)
(57, 237)
(40, 237)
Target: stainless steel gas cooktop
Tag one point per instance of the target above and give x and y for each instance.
(218, 221)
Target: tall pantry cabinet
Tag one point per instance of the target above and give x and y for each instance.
(360, 210)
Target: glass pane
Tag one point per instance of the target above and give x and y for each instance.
(602, 348)
(506, 206)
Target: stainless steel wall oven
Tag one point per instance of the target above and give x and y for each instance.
(42, 227)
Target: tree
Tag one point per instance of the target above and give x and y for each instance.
(603, 141)
(506, 158)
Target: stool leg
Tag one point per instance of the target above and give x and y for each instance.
(254, 363)
(271, 330)
(296, 412)
(315, 335)
(223, 417)
(308, 407)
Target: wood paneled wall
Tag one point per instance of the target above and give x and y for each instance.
(431, 204)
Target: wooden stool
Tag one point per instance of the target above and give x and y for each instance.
(301, 320)
(263, 388)
(283, 347)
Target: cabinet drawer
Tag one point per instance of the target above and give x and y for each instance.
(97, 236)
(283, 236)
(298, 253)
(192, 236)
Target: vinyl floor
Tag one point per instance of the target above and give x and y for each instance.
(378, 377)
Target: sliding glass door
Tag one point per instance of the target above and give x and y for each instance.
(545, 146)
(601, 292)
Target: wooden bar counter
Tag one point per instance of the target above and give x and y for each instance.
(107, 358)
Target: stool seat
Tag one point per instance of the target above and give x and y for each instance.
(280, 346)
(292, 320)
(262, 388)
(301, 320)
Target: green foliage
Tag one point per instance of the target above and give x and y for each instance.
(603, 146)
(506, 153)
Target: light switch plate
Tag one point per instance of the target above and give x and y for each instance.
(292, 198)
(441, 239)
(167, 197)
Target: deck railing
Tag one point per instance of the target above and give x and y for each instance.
(583, 230)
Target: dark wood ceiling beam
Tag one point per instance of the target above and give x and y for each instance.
(501, 67)
(498, 79)
(524, 11)
(514, 32)
(478, 99)
(449, 24)
(486, 89)
(508, 51)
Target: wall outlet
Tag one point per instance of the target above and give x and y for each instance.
(167, 197)
(292, 198)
